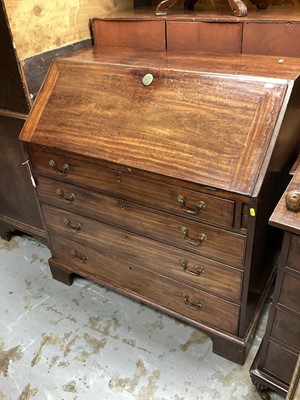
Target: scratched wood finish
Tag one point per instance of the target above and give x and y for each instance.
(181, 138)
(216, 277)
(139, 281)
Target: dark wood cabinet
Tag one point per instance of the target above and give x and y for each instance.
(157, 173)
(18, 204)
(276, 361)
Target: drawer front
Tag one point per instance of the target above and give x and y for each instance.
(195, 237)
(280, 361)
(293, 260)
(204, 36)
(169, 261)
(286, 328)
(197, 305)
(281, 39)
(136, 34)
(290, 292)
(188, 203)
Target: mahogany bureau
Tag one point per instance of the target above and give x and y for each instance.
(156, 174)
(276, 360)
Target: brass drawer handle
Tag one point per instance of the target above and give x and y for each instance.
(185, 233)
(82, 258)
(68, 224)
(67, 198)
(184, 264)
(196, 307)
(199, 206)
(65, 168)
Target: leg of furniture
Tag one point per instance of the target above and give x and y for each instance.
(58, 273)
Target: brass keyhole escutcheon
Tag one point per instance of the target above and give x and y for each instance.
(147, 79)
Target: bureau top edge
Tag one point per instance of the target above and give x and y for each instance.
(242, 65)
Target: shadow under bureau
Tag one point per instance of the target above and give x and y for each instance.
(156, 174)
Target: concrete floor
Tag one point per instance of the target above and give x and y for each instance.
(87, 343)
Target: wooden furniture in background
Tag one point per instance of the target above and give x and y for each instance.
(275, 31)
(294, 390)
(19, 83)
(157, 174)
(18, 205)
(275, 363)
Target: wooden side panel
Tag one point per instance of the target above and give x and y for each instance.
(17, 197)
(141, 34)
(12, 95)
(281, 39)
(214, 37)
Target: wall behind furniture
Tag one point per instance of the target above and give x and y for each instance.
(39, 26)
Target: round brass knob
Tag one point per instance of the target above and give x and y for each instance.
(292, 200)
(147, 79)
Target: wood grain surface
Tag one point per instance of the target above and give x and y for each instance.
(178, 126)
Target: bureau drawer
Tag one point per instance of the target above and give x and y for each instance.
(131, 187)
(172, 262)
(280, 39)
(280, 361)
(135, 34)
(198, 238)
(293, 260)
(213, 37)
(290, 292)
(166, 293)
(286, 328)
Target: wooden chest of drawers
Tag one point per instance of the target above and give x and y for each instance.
(157, 173)
(275, 363)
